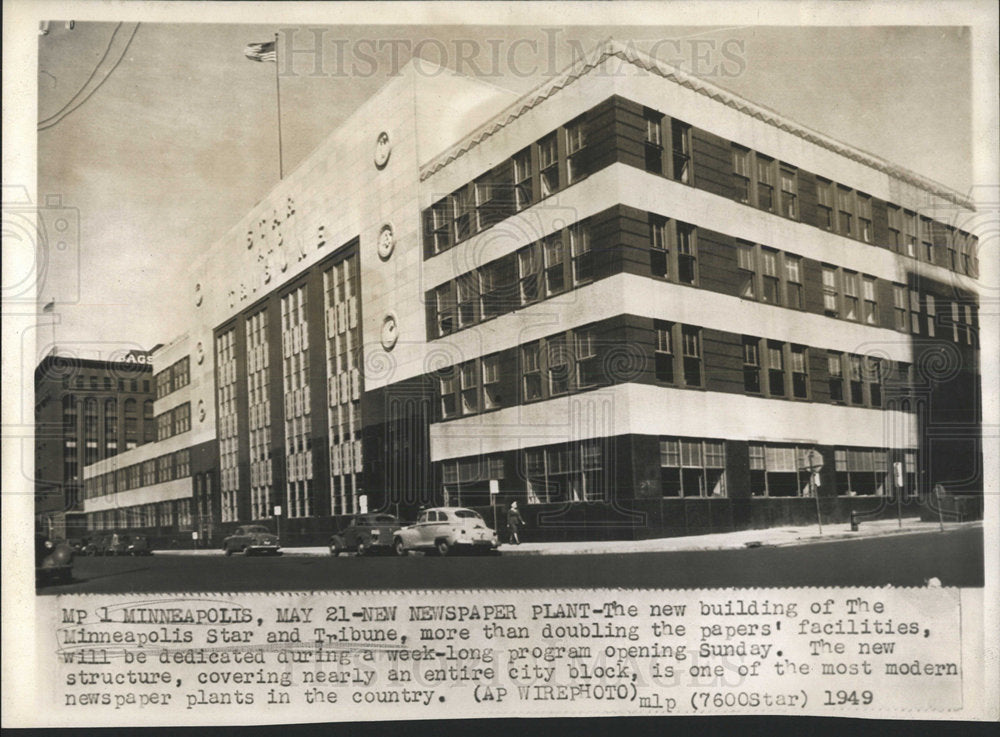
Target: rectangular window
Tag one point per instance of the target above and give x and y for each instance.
(865, 217)
(899, 306)
(845, 211)
(793, 280)
(692, 468)
(557, 365)
(873, 374)
(765, 183)
(895, 228)
(462, 213)
(952, 243)
(955, 318)
(914, 312)
(527, 273)
(548, 164)
(680, 139)
(850, 295)
(770, 281)
(586, 358)
(531, 372)
(927, 240)
(910, 233)
(789, 193)
(576, 143)
(751, 365)
(522, 179)
(491, 382)
(486, 209)
(871, 302)
(691, 339)
(182, 418)
(469, 387)
(741, 174)
(654, 141)
(857, 385)
(931, 308)
(448, 384)
(444, 309)
(746, 255)
(664, 352)
(496, 280)
(552, 251)
(658, 247)
(467, 287)
(775, 368)
(686, 255)
(830, 292)
(835, 370)
(800, 372)
(824, 203)
(583, 257)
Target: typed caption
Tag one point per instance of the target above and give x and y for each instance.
(348, 656)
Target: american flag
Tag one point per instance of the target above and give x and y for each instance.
(261, 52)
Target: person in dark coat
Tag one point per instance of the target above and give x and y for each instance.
(514, 522)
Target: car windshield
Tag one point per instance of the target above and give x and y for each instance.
(466, 514)
(385, 518)
(257, 528)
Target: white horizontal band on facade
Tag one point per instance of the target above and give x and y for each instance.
(165, 492)
(628, 294)
(666, 411)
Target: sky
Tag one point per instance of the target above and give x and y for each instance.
(162, 152)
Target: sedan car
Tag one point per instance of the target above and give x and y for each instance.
(366, 533)
(446, 529)
(251, 539)
(137, 545)
(53, 561)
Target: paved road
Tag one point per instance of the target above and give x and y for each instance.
(955, 557)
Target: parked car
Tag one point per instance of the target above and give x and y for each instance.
(137, 545)
(93, 546)
(115, 544)
(446, 529)
(366, 533)
(53, 561)
(76, 544)
(250, 539)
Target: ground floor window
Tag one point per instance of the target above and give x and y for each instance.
(466, 481)
(692, 467)
(862, 471)
(567, 472)
(779, 470)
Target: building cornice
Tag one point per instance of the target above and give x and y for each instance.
(613, 48)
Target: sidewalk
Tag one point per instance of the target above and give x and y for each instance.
(774, 536)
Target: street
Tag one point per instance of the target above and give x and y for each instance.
(955, 557)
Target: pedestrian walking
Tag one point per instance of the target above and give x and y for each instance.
(514, 522)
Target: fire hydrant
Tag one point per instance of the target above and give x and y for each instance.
(854, 521)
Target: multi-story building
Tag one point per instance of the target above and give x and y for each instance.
(630, 298)
(85, 410)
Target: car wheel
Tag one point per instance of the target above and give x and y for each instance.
(362, 548)
(336, 546)
(442, 547)
(229, 551)
(247, 552)
(399, 547)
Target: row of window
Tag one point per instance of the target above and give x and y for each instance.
(156, 514)
(158, 470)
(174, 421)
(560, 158)
(569, 362)
(173, 377)
(762, 182)
(557, 160)
(105, 383)
(689, 467)
(564, 261)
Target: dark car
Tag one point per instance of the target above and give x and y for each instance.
(115, 544)
(366, 533)
(93, 545)
(53, 561)
(137, 545)
(251, 539)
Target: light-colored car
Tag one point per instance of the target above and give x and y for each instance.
(365, 534)
(444, 530)
(251, 539)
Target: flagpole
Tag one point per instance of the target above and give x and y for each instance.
(277, 86)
